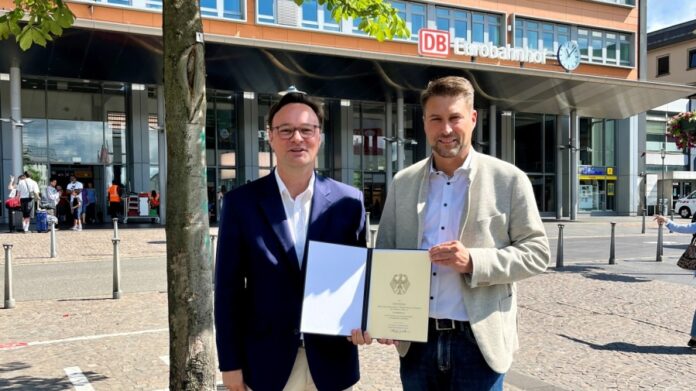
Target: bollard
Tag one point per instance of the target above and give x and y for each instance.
(658, 258)
(54, 253)
(368, 231)
(213, 237)
(9, 300)
(612, 258)
(559, 248)
(642, 230)
(117, 270)
(115, 228)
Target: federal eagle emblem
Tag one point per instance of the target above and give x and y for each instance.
(400, 284)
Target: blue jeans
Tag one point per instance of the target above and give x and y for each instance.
(693, 327)
(449, 361)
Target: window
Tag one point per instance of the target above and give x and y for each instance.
(596, 46)
(540, 35)
(484, 27)
(266, 11)
(231, 9)
(413, 14)
(663, 66)
(318, 16)
(691, 59)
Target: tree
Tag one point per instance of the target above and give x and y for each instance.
(189, 250)
(45, 19)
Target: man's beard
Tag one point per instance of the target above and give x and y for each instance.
(448, 152)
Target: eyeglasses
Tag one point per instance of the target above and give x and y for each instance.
(286, 132)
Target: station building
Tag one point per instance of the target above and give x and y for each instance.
(91, 103)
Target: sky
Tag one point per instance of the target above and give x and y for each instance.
(663, 13)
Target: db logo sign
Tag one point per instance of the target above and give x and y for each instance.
(433, 43)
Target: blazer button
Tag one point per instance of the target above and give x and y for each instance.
(296, 331)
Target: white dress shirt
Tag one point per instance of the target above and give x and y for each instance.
(297, 212)
(443, 212)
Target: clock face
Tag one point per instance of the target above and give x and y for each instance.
(569, 55)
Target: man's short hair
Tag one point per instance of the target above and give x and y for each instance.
(294, 97)
(449, 86)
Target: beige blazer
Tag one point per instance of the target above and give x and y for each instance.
(501, 227)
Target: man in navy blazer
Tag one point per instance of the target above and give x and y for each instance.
(264, 230)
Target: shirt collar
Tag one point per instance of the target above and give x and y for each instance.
(284, 189)
(464, 169)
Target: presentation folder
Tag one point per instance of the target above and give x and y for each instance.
(385, 292)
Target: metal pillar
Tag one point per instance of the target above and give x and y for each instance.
(559, 248)
(559, 171)
(612, 245)
(117, 270)
(115, 221)
(162, 154)
(388, 144)
(9, 300)
(573, 164)
(54, 253)
(16, 119)
(400, 154)
(658, 257)
(492, 130)
(213, 253)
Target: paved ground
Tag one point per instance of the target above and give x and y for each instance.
(588, 326)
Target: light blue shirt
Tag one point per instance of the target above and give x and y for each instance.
(443, 214)
(681, 228)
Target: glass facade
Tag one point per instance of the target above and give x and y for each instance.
(597, 171)
(535, 146)
(221, 140)
(596, 46)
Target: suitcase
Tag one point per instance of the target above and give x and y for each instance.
(41, 221)
(17, 220)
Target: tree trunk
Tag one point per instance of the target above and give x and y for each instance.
(188, 241)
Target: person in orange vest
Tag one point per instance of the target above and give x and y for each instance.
(154, 201)
(114, 199)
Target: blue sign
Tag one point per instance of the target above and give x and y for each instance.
(590, 170)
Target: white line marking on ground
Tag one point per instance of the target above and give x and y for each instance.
(87, 338)
(78, 379)
(165, 359)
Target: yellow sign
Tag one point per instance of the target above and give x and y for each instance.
(597, 177)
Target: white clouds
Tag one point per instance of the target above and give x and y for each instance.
(663, 13)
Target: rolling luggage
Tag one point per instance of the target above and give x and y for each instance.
(41, 221)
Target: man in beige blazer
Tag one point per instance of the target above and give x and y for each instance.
(477, 217)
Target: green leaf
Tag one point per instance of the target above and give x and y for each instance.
(38, 37)
(4, 30)
(25, 40)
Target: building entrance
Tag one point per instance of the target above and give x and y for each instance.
(90, 176)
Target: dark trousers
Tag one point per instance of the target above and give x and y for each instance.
(114, 209)
(449, 361)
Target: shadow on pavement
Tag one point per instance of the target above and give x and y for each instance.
(13, 366)
(89, 299)
(38, 383)
(633, 348)
(591, 273)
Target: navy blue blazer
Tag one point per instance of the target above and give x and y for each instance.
(257, 323)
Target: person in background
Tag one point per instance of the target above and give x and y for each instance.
(221, 196)
(12, 187)
(89, 199)
(78, 186)
(154, 201)
(682, 229)
(28, 192)
(76, 208)
(114, 194)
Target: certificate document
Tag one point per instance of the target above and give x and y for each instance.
(385, 292)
